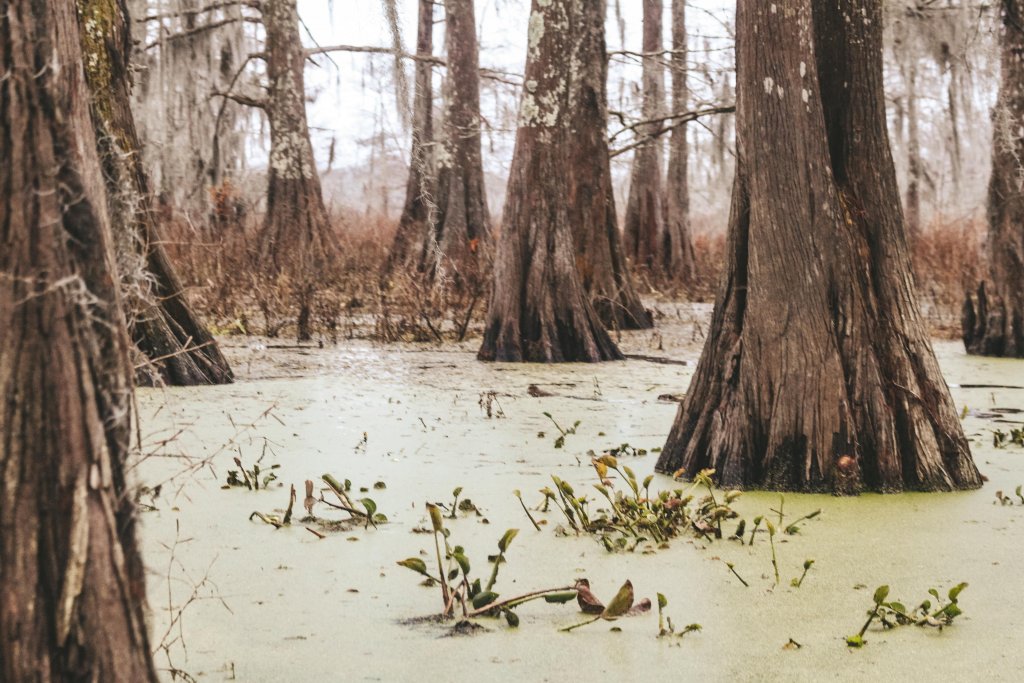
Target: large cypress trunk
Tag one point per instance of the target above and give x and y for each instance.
(71, 580)
(296, 239)
(161, 320)
(539, 310)
(645, 222)
(599, 256)
(993, 325)
(463, 226)
(677, 249)
(418, 211)
(817, 374)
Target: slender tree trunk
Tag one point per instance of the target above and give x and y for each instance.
(913, 193)
(71, 579)
(993, 325)
(599, 256)
(539, 310)
(462, 231)
(677, 250)
(817, 373)
(297, 240)
(414, 224)
(645, 222)
(161, 321)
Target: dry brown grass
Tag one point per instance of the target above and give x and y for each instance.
(217, 264)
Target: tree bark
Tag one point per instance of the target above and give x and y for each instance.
(645, 222)
(539, 310)
(161, 321)
(817, 374)
(296, 240)
(462, 232)
(71, 579)
(599, 256)
(914, 167)
(677, 250)
(416, 219)
(994, 324)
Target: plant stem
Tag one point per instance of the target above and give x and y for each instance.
(512, 602)
(527, 511)
(736, 574)
(576, 626)
(444, 581)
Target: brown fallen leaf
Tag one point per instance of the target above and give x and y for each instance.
(310, 501)
(588, 602)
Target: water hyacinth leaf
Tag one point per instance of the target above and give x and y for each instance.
(662, 601)
(881, 593)
(483, 599)
(955, 591)
(370, 505)
(463, 563)
(620, 604)
(457, 491)
(415, 564)
(512, 618)
(609, 461)
(506, 540)
(855, 641)
(436, 520)
(380, 518)
(647, 481)
(560, 598)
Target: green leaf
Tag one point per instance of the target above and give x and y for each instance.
(620, 604)
(955, 591)
(457, 491)
(512, 618)
(484, 599)
(436, 519)
(647, 481)
(881, 593)
(506, 540)
(952, 610)
(380, 518)
(463, 563)
(855, 641)
(662, 601)
(371, 507)
(415, 564)
(560, 598)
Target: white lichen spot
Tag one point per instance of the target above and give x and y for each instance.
(769, 83)
(531, 85)
(805, 95)
(536, 30)
(782, 92)
(774, 8)
(803, 69)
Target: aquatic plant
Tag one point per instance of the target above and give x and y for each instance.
(894, 613)
(665, 626)
(250, 478)
(563, 431)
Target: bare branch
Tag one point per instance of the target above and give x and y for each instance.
(259, 103)
(680, 119)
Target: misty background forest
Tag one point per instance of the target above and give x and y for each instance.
(530, 339)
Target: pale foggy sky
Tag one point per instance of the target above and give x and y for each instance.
(356, 89)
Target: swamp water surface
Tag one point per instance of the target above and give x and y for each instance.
(284, 605)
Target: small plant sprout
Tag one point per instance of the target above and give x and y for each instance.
(893, 614)
(797, 583)
(562, 432)
(458, 588)
(794, 527)
(274, 520)
(665, 626)
(250, 478)
(757, 523)
(732, 568)
(771, 540)
(519, 497)
(368, 514)
(620, 606)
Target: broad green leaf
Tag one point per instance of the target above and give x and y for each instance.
(620, 604)
(854, 641)
(560, 598)
(463, 563)
(415, 564)
(371, 507)
(484, 599)
(881, 593)
(662, 601)
(506, 540)
(436, 519)
(955, 591)
(512, 618)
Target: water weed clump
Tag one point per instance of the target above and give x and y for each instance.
(892, 614)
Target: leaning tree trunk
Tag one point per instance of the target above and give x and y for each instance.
(599, 256)
(645, 222)
(677, 251)
(462, 231)
(71, 579)
(163, 326)
(817, 374)
(539, 310)
(994, 324)
(296, 239)
(414, 224)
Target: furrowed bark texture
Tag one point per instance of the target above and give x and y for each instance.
(677, 249)
(71, 580)
(645, 222)
(817, 374)
(462, 231)
(162, 323)
(539, 310)
(296, 240)
(993, 324)
(599, 255)
(414, 223)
